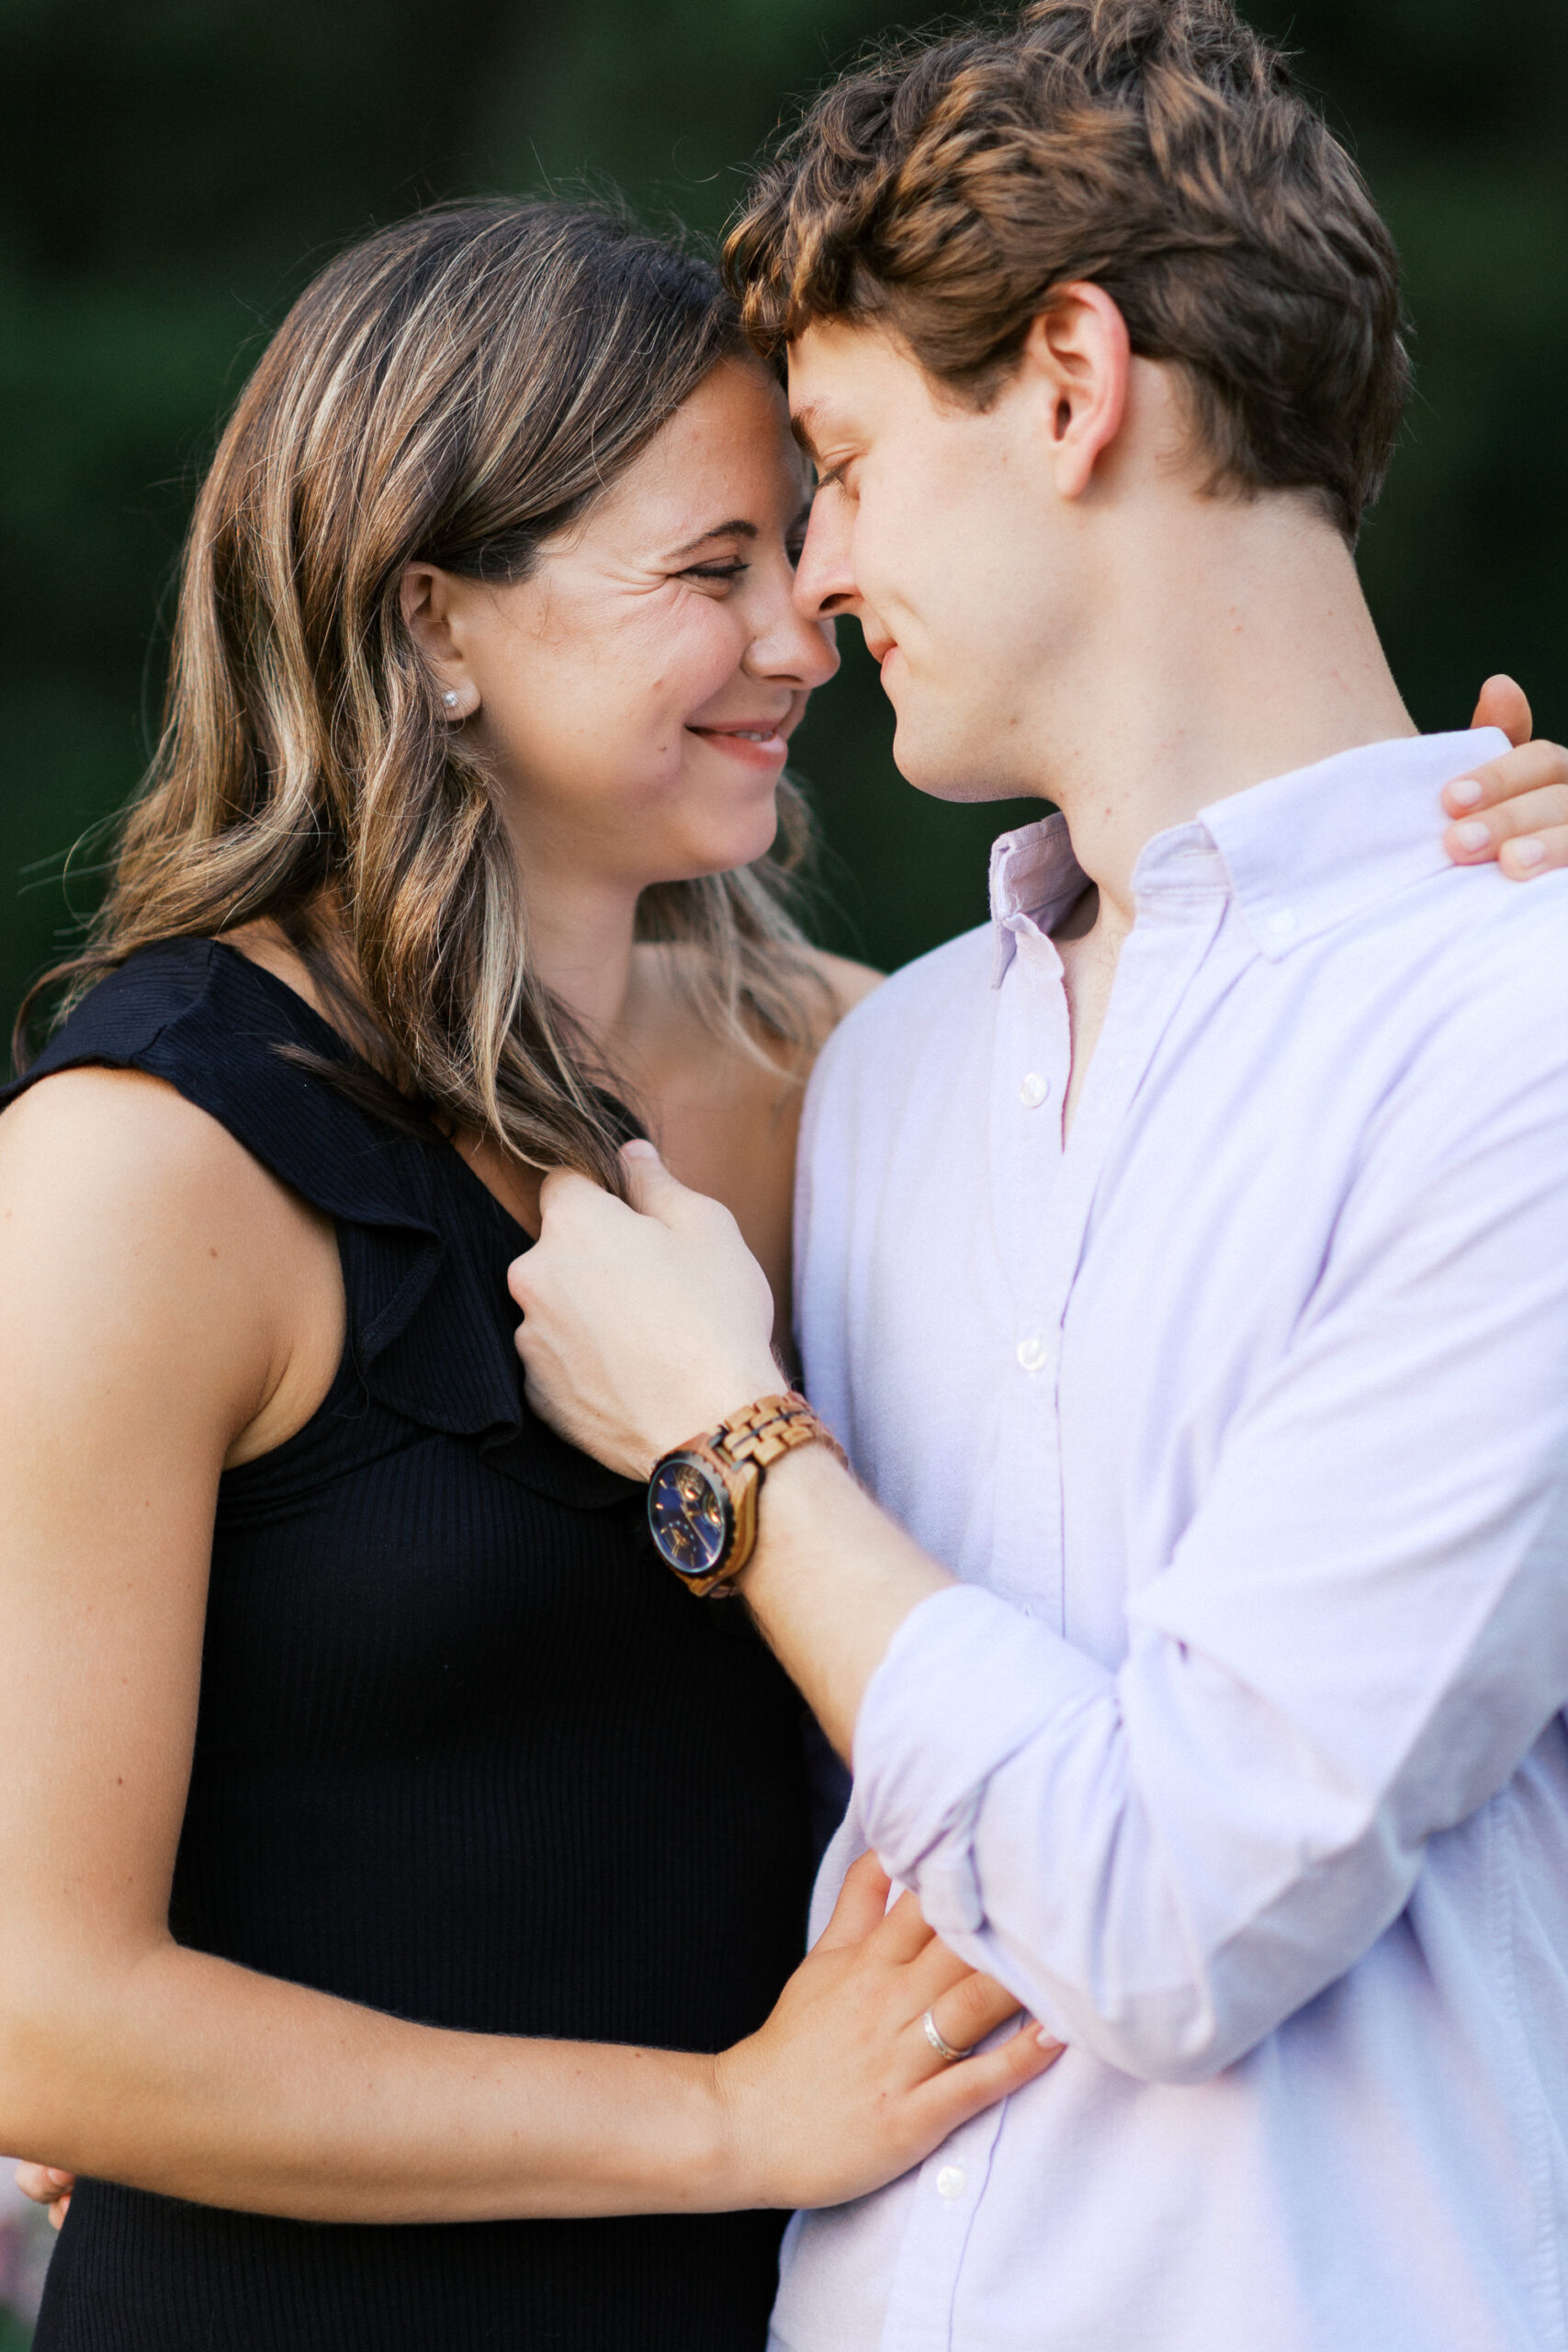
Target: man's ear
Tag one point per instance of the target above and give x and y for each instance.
(1079, 352)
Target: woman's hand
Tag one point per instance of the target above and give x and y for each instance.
(1515, 810)
(47, 2184)
(841, 2090)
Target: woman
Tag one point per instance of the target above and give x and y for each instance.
(381, 1825)
(406, 1853)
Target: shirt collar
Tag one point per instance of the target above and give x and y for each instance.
(1300, 852)
(1034, 878)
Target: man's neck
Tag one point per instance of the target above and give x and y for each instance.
(1242, 649)
(1238, 647)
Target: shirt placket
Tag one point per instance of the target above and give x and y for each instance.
(1028, 1079)
(1043, 1197)
(941, 2214)
(1046, 1214)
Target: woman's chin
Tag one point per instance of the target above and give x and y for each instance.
(700, 860)
(721, 840)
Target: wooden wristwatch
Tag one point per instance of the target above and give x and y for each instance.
(702, 1499)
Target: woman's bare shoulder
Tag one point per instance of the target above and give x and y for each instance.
(846, 982)
(105, 1169)
(121, 1144)
(131, 1216)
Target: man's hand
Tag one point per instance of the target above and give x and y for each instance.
(1515, 810)
(643, 1326)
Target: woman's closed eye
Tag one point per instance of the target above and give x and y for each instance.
(724, 573)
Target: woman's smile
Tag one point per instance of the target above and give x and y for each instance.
(761, 747)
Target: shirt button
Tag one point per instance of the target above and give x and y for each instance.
(1032, 1351)
(1034, 1089)
(950, 2183)
(1282, 924)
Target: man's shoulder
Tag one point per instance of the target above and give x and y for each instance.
(1532, 914)
(1495, 948)
(1460, 988)
(1513, 987)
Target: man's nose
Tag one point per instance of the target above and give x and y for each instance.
(824, 579)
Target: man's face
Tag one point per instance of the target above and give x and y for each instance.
(938, 526)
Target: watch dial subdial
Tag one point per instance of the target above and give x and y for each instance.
(688, 1511)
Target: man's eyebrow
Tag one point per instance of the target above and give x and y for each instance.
(734, 529)
(802, 422)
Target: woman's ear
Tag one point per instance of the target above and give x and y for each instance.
(1080, 354)
(424, 594)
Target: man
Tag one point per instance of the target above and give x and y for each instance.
(1182, 1257)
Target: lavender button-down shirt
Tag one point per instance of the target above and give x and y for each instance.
(1238, 1753)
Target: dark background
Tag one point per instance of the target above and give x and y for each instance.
(172, 171)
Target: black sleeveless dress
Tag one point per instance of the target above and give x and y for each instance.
(465, 1753)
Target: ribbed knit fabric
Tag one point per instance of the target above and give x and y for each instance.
(465, 1752)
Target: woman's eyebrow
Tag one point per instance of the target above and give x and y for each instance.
(734, 529)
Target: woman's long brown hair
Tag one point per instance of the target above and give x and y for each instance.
(454, 390)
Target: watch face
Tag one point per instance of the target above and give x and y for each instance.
(690, 1514)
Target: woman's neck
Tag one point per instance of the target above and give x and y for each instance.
(580, 946)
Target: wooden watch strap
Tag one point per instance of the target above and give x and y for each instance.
(772, 1426)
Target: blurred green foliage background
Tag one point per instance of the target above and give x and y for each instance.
(174, 171)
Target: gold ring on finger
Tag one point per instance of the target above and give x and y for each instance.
(943, 2047)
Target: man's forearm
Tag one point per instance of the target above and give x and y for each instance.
(830, 1582)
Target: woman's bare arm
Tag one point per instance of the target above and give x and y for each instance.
(166, 1308)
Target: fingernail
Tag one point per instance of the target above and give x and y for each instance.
(1046, 2039)
(1529, 851)
(638, 1148)
(1465, 793)
(1473, 835)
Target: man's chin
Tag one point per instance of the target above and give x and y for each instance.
(945, 767)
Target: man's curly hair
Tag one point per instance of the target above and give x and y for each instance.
(1155, 147)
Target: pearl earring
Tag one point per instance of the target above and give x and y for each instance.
(450, 698)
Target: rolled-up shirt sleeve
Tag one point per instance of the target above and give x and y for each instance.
(1362, 1633)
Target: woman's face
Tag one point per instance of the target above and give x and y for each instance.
(637, 692)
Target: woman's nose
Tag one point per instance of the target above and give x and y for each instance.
(819, 655)
(795, 645)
